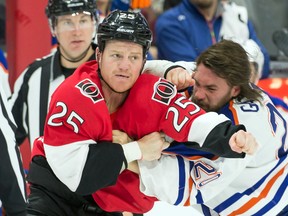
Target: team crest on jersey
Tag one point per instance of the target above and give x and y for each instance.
(164, 91)
(90, 90)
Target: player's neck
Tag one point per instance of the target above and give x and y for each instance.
(70, 64)
(113, 99)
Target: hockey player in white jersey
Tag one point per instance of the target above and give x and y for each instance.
(255, 185)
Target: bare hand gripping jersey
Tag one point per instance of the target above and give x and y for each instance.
(78, 122)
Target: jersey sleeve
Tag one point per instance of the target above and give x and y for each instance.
(157, 67)
(153, 105)
(77, 123)
(195, 179)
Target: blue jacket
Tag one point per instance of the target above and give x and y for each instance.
(182, 33)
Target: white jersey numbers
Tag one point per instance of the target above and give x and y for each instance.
(57, 119)
(125, 16)
(178, 120)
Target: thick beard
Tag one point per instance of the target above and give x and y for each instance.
(216, 108)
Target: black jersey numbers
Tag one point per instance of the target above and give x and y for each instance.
(182, 110)
(73, 119)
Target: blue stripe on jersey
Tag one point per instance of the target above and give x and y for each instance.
(182, 149)
(199, 197)
(274, 113)
(228, 202)
(276, 198)
(205, 210)
(278, 102)
(227, 112)
(181, 180)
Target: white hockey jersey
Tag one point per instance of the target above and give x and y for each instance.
(255, 185)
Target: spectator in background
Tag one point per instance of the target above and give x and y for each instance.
(185, 31)
(103, 8)
(170, 4)
(12, 182)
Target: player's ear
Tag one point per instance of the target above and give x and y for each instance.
(98, 55)
(144, 61)
(235, 91)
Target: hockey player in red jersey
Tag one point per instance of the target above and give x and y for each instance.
(76, 157)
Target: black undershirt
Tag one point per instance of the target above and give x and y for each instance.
(67, 71)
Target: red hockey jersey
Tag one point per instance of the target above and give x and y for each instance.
(78, 118)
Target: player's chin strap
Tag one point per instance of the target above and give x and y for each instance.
(80, 58)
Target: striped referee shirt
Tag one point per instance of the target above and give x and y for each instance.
(12, 183)
(32, 93)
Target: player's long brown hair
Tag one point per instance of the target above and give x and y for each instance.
(229, 61)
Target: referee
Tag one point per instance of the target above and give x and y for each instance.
(12, 183)
(34, 87)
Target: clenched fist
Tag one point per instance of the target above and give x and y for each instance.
(243, 141)
(180, 77)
